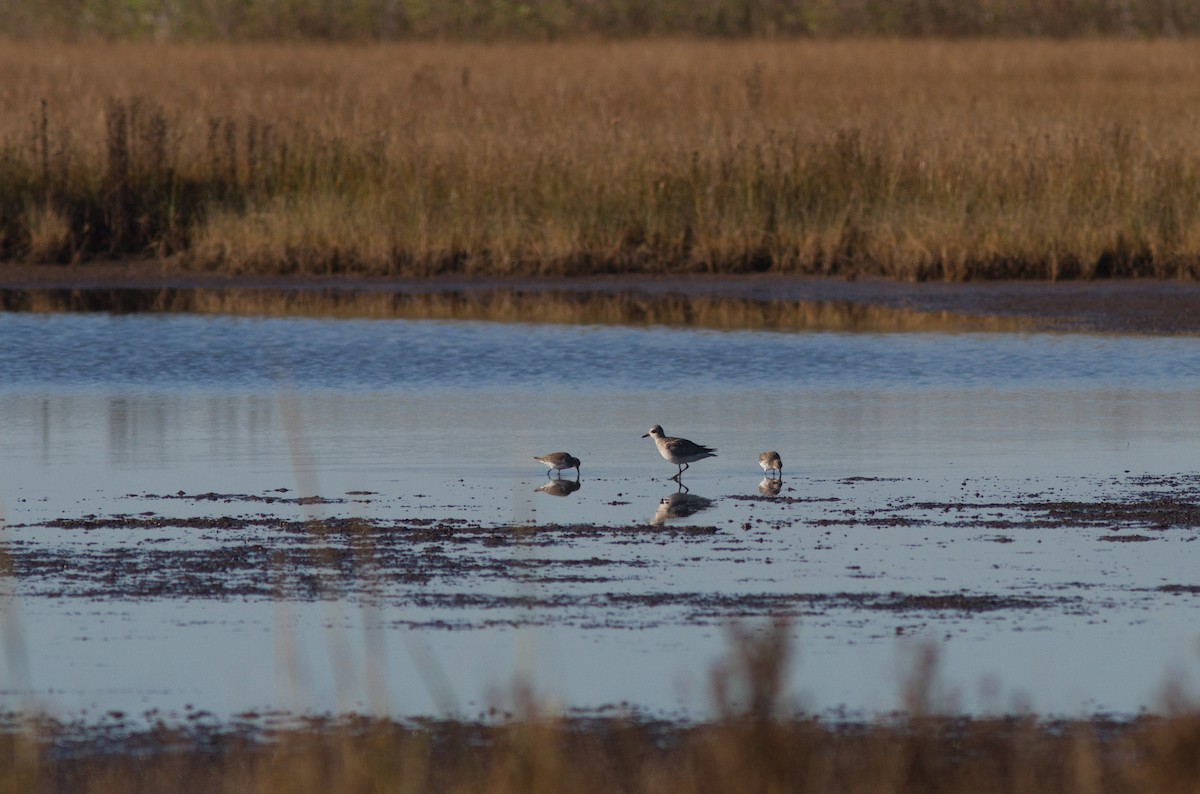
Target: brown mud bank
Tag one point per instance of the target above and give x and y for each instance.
(737, 302)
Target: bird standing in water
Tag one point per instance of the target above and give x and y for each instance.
(679, 451)
(557, 461)
(770, 462)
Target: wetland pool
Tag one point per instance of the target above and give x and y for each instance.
(309, 516)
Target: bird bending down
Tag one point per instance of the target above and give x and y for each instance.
(679, 451)
(770, 462)
(557, 461)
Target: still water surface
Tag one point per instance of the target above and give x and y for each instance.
(396, 420)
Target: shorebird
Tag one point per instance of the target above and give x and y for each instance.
(679, 451)
(557, 461)
(770, 462)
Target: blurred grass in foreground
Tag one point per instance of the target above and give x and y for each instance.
(914, 160)
(753, 745)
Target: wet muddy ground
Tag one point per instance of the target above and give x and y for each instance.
(473, 574)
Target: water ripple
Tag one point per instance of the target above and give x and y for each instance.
(167, 351)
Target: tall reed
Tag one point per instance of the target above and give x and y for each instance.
(916, 160)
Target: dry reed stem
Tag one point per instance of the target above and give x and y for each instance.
(917, 160)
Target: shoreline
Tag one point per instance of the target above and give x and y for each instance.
(1109, 306)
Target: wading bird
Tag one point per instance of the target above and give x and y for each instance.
(770, 462)
(679, 451)
(557, 461)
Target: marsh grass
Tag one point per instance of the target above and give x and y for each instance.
(914, 160)
(754, 744)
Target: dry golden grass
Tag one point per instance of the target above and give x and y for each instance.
(910, 159)
(49, 234)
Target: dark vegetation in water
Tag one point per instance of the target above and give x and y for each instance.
(776, 303)
(452, 567)
(603, 304)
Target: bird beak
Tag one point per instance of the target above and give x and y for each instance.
(645, 435)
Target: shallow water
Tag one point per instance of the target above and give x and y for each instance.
(396, 421)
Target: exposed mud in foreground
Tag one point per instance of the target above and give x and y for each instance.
(461, 574)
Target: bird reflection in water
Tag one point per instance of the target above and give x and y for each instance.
(559, 487)
(680, 504)
(770, 486)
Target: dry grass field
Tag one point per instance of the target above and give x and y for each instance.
(908, 159)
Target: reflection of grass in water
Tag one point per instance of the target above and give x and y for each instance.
(942, 160)
(513, 305)
(753, 745)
